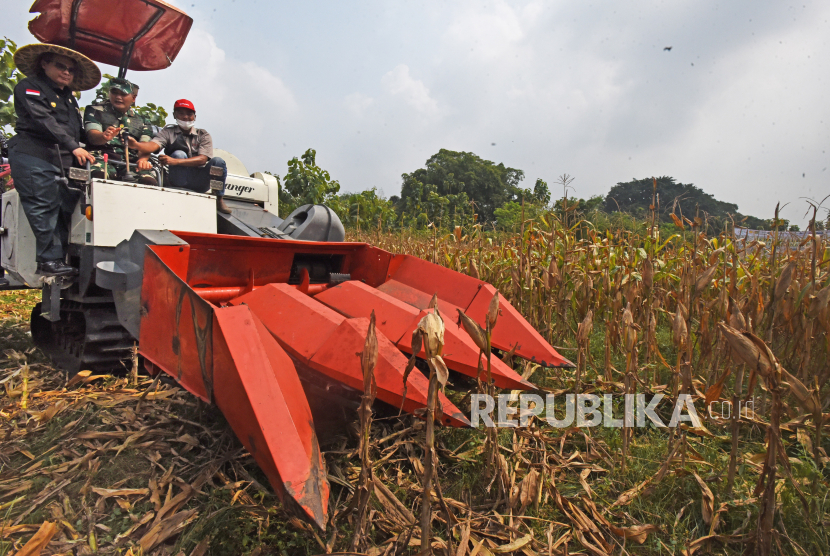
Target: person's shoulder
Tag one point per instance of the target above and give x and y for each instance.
(133, 114)
(202, 132)
(25, 82)
(29, 84)
(33, 88)
(93, 107)
(168, 131)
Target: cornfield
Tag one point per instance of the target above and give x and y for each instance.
(125, 465)
(725, 320)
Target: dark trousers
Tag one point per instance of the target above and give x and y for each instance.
(47, 204)
(196, 178)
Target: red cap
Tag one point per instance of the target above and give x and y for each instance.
(184, 103)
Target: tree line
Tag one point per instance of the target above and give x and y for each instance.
(462, 189)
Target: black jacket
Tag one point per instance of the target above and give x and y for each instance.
(46, 116)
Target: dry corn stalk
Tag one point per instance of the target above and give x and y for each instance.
(630, 330)
(583, 336)
(360, 500)
(481, 337)
(431, 330)
(752, 351)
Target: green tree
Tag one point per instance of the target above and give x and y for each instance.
(307, 183)
(580, 208)
(9, 76)
(509, 215)
(634, 197)
(437, 189)
(541, 193)
(366, 209)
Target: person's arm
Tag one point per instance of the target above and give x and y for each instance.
(197, 161)
(194, 161)
(161, 140)
(205, 144)
(143, 147)
(34, 102)
(95, 133)
(96, 137)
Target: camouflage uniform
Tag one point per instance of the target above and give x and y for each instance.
(102, 115)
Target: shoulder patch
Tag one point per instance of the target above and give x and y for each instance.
(33, 92)
(97, 107)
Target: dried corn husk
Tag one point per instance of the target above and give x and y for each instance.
(432, 334)
(736, 318)
(784, 281)
(679, 330)
(705, 278)
(474, 330)
(493, 311)
(648, 274)
(585, 328)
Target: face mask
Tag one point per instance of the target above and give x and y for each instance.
(185, 125)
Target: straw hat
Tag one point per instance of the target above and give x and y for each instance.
(87, 75)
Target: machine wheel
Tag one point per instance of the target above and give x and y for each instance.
(87, 337)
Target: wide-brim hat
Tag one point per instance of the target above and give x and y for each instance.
(87, 74)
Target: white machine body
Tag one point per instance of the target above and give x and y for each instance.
(259, 188)
(17, 243)
(119, 208)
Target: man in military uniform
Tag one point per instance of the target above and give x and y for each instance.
(108, 124)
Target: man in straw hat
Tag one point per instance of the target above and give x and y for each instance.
(49, 129)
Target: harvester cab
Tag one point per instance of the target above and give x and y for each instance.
(140, 35)
(247, 311)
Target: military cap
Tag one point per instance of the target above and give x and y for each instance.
(121, 84)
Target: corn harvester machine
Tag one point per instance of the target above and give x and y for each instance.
(255, 314)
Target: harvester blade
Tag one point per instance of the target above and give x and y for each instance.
(397, 320)
(259, 393)
(512, 328)
(330, 344)
(227, 357)
(414, 281)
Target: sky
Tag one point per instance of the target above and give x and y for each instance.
(738, 106)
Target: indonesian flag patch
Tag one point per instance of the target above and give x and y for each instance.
(32, 92)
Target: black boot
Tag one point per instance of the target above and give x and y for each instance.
(56, 268)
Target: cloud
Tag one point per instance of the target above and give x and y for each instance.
(399, 82)
(488, 33)
(736, 107)
(238, 101)
(357, 104)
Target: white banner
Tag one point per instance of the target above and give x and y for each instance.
(783, 236)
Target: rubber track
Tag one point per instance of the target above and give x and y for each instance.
(88, 337)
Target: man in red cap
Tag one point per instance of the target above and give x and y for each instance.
(188, 154)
